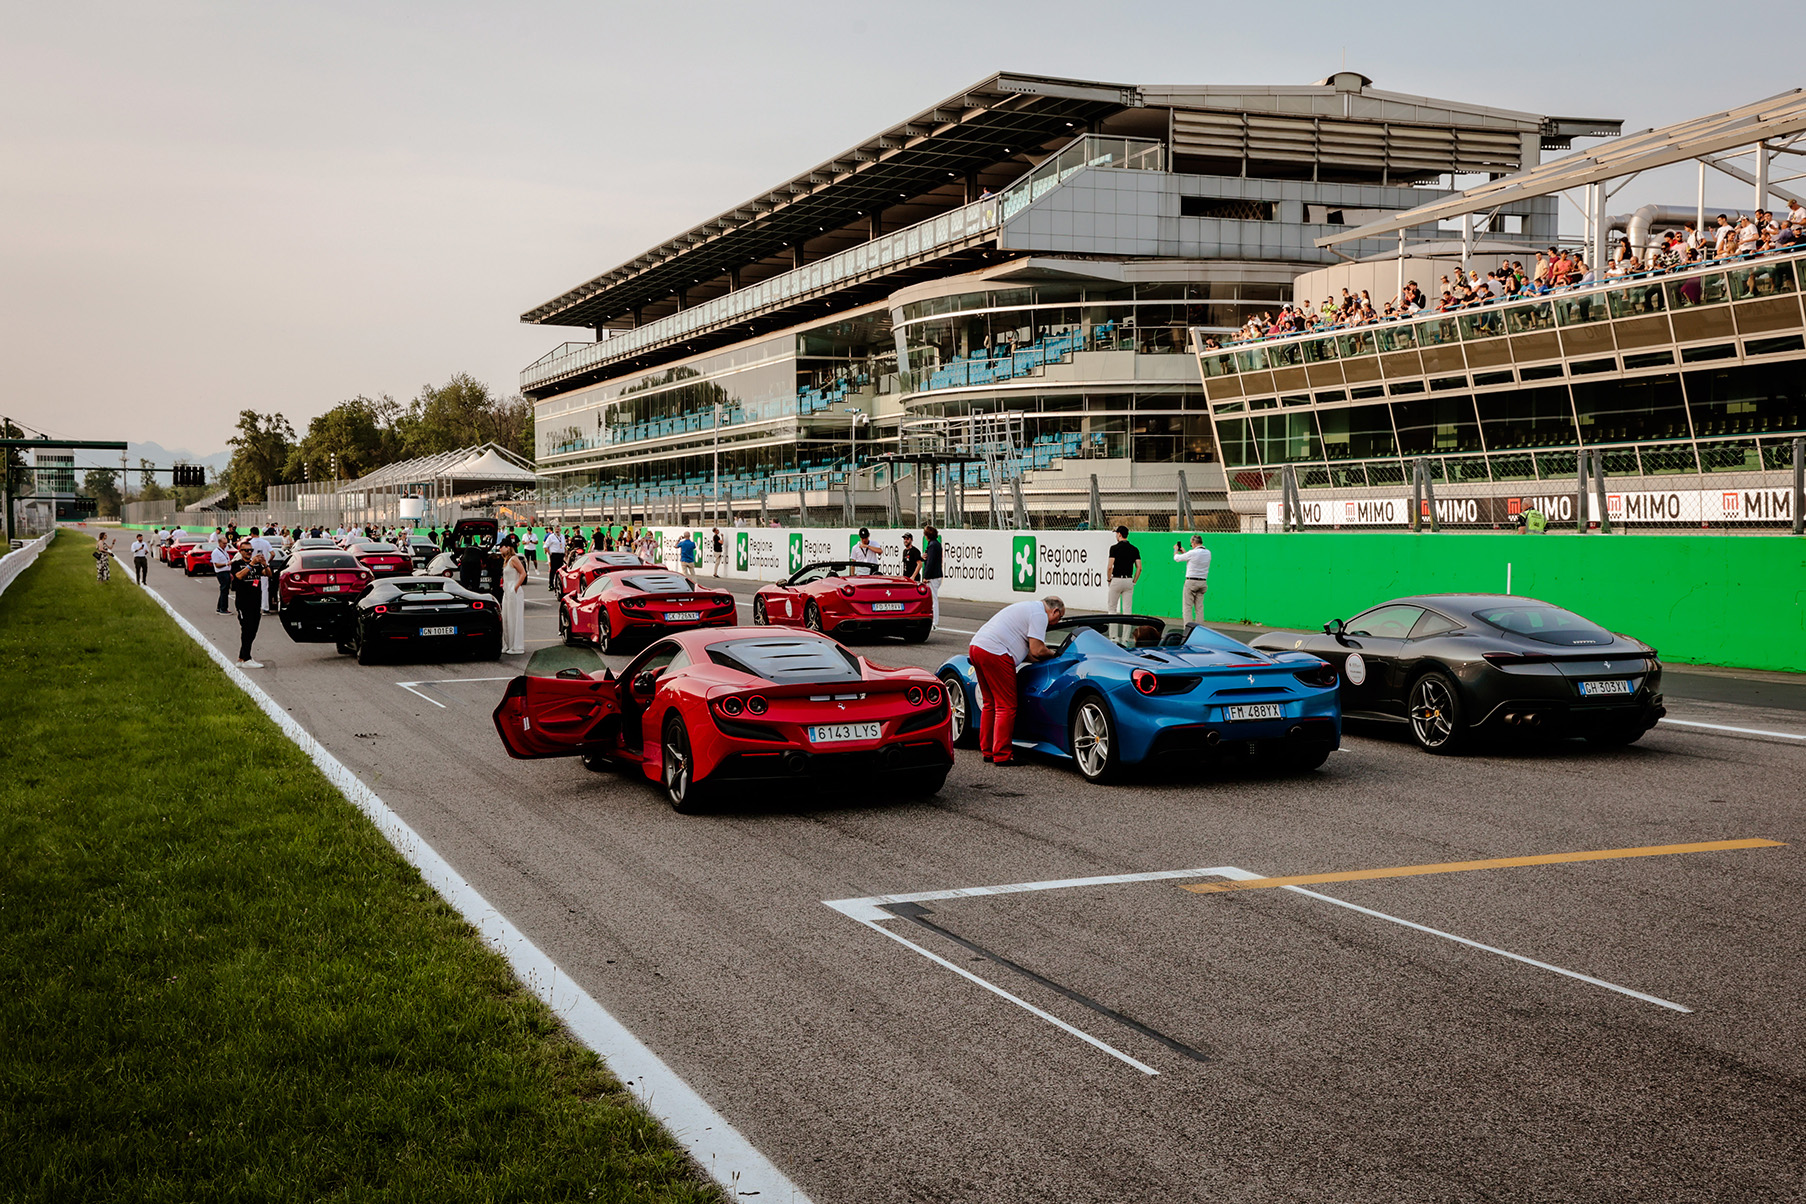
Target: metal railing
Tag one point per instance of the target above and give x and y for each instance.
(925, 239)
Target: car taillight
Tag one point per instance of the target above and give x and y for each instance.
(732, 706)
(1517, 658)
(478, 605)
(922, 590)
(934, 696)
(1322, 676)
(757, 704)
(847, 590)
(913, 695)
(1144, 681)
(382, 610)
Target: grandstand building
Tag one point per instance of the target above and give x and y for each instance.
(1023, 264)
(1670, 395)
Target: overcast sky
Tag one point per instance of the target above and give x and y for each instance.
(207, 207)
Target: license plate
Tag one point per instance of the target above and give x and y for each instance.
(684, 616)
(331, 589)
(831, 733)
(425, 631)
(1590, 688)
(887, 606)
(1256, 710)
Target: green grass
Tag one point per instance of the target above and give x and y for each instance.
(218, 982)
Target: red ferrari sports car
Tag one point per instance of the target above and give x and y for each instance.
(176, 546)
(576, 574)
(842, 597)
(618, 608)
(383, 559)
(702, 709)
(315, 592)
(196, 560)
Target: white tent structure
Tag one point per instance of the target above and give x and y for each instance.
(444, 485)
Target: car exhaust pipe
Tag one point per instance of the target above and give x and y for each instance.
(795, 763)
(1511, 718)
(1533, 720)
(1213, 738)
(1295, 731)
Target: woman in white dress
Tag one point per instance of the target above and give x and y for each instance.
(514, 602)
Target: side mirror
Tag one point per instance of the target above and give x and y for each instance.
(1335, 627)
(645, 683)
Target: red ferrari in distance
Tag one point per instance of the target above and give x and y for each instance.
(843, 597)
(623, 607)
(197, 560)
(700, 711)
(315, 592)
(575, 575)
(383, 559)
(176, 546)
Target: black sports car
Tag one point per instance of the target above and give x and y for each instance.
(1453, 665)
(429, 614)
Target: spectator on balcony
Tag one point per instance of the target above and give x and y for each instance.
(1723, 238)
(1747, 236)
(1796, 214)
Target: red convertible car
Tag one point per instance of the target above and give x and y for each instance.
(618, 608)
(701, 710)
(383, 559)
(843, 597)
(579, 571)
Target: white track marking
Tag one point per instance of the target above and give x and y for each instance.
(1024, 1004)
(409, 687)
(872, 906)
(442, 681)
(1745, 731)
(717, 1146)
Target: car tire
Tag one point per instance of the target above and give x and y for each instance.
(675, 766)
(812, 616)
(1433, 713)
(960, 717)
(605, 639)
(759, 617)
(1092, 740)
(491, 651)
(598, 763)
(917, 633)
(366, 653)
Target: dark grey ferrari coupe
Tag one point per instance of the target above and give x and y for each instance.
(1451, 666)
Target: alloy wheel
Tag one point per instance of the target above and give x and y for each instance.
(812, 617)
(1091, 739)
(759, 619)
(676, 771)
(1432, 712)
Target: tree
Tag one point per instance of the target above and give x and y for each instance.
(102, 484)
(350, 439)
(260, 452)
(461, 413)
(149, 488)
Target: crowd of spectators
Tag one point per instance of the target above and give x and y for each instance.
(1553, 270)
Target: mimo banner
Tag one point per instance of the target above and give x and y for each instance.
(1767, 507)
(976, 566)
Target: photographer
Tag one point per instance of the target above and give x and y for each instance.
(249, 581)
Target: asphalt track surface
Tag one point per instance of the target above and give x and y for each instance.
(1622, 1029)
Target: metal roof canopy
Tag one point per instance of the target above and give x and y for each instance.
(452, 467)
(1775, 117)
(973, 129)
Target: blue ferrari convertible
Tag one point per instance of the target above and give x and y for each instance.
(1122, 690)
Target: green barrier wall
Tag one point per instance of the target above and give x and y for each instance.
(1737, 600)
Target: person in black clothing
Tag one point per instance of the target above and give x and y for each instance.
(931, 567)
(247, 583)
(912, 559)
(1125, 571)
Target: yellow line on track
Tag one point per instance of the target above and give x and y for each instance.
(1491, 863)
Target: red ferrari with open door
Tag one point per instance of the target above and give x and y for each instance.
(701, 711)
(842, 597)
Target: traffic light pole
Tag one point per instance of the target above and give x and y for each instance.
(6, 449)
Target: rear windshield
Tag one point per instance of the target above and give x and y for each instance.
(660, 583)
(422, 585)
(784, 660)
(1547, 625)
(375, 547)
(328, 560)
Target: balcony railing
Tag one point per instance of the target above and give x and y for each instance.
(927, 239)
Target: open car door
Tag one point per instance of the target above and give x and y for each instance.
(564, 705)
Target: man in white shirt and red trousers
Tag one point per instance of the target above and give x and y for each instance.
(1013, 636)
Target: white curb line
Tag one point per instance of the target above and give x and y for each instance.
(716, 1145)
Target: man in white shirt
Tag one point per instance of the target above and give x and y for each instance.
(140, 555)
(222, 571)
(1197, 579)
(554, 546)
(1013, 636)
(864, 551)
(261, 543)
